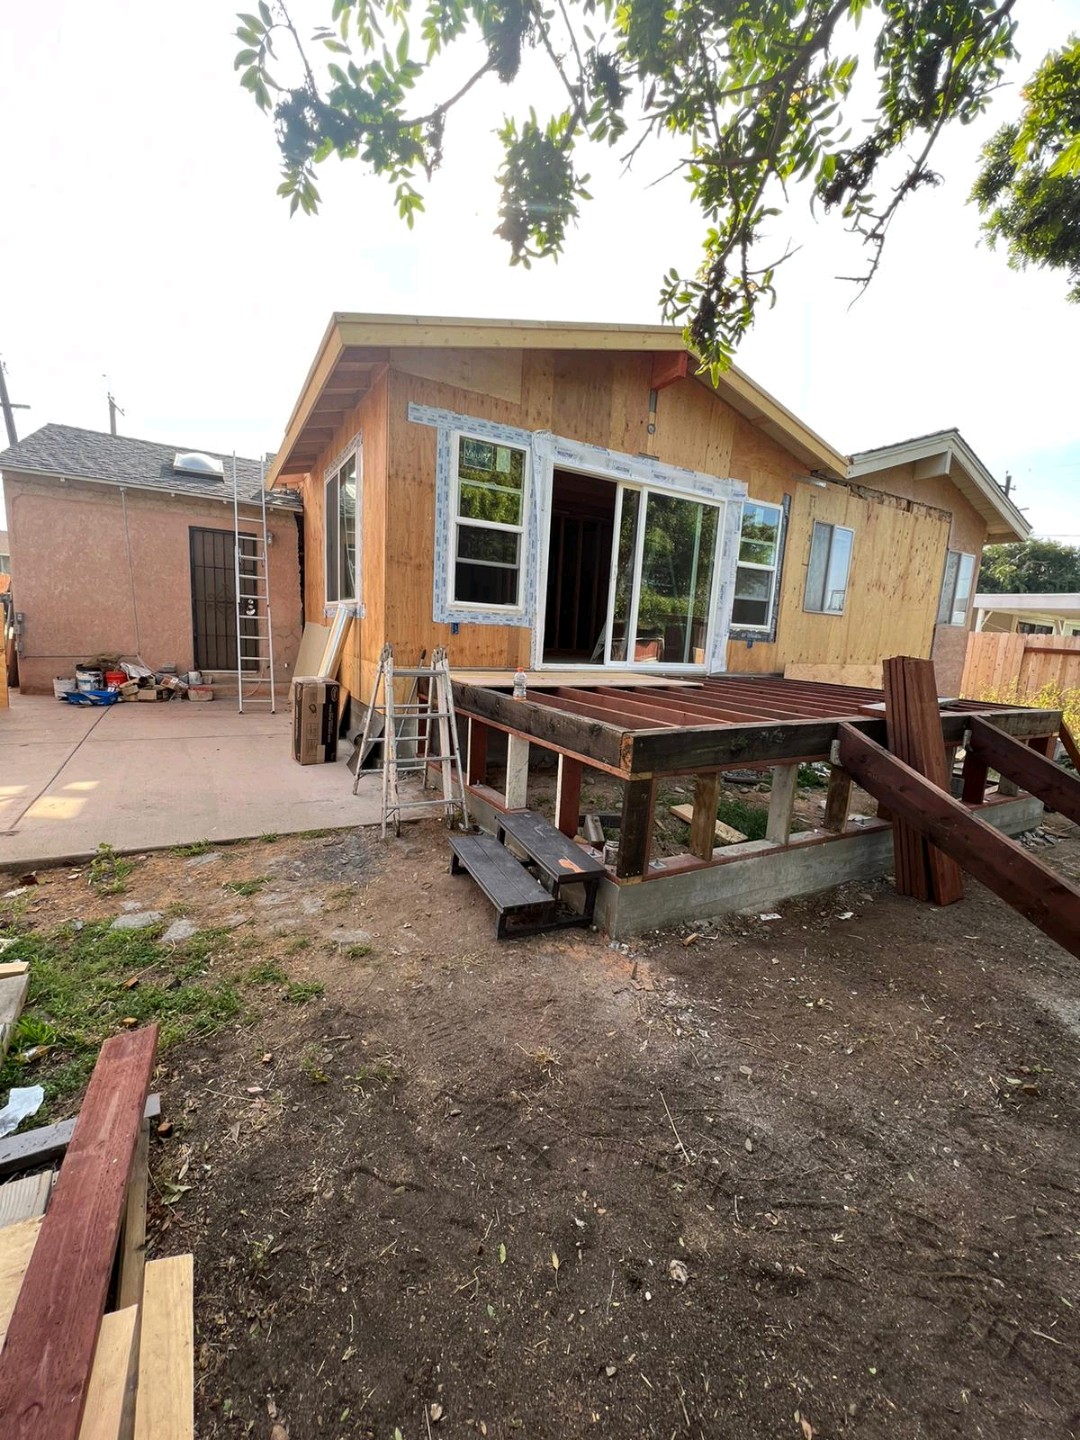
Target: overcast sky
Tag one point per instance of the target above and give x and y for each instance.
(142, 240)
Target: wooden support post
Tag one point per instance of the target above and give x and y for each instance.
(635, 835)
(568, 795)
(517, 772)
(1071, 747)
(781, 803)
(975, 773)
(703, 820)
(1045, 744)
(837, 800)
(478, 745)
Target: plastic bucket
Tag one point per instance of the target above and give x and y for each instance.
(87, 679)
(115, 677)
(62, 686)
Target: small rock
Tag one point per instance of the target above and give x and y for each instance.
(611, 1371)
(180, 930)
(678, 1272)
(165, 1128)
(197, 861)
(748, 1146)
(745, 1071)
(130, 906)
(345, 937)
(142, 921)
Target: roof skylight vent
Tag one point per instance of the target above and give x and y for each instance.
(194, 462)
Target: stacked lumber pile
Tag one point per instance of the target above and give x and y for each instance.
(97, 1344)
(913, 725)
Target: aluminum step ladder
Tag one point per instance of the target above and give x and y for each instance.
(254, 619)
(418, 735)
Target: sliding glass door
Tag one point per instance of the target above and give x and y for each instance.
(663, 572)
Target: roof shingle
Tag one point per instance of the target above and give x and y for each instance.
(141, 464)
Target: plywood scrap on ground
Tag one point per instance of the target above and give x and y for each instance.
(725, 834)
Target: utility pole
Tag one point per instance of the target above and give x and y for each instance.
(8, 409)
(114, 410)
(1008, 482)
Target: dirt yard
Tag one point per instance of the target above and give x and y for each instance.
(815, 1176)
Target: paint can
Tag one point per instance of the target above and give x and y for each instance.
(87, 679)
(115, 678)
(63, 685)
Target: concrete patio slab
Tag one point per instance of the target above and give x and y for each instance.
(143, 777)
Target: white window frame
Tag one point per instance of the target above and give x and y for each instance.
(946, 611)
(454, 605)
(331, 476)
(832, 529)
(739, 626)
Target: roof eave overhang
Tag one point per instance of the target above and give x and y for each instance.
(948, 454)
(351, 332)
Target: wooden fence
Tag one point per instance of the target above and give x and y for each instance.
(1009, 667)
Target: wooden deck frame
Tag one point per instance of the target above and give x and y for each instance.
(641, 737)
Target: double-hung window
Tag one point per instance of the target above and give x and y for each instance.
(488, 524)
(754, 605)
(827, 573)
(956, 588)
(341, 524)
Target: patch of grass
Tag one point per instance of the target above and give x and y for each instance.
(78, 998)
(197, 847)
(357, 952)
(299, 992)
(343, 892)
(247, 887)
(741, 815)
(301, 942)
(311, 1064)
(269, 837)
(109, 872)
(812, 777)
(206, 944)
(381, 1072)
(268, 973)
(313, 834)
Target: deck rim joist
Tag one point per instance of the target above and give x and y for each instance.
(726, 722)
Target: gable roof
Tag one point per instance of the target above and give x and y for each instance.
(947, 453)
(355, 347)
(68, 452)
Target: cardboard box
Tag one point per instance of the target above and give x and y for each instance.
(315, 723)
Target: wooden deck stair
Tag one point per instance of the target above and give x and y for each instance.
(527, 893)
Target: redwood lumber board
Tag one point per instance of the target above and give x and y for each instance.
(478, 749)
(1030, 887)
(635, 833)
(1023, 764)
(47, 1357)
(909, 862)
(924, 715)
(837, 801)
(703, 815)
(568, 795)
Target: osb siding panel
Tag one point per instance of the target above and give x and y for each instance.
(890, 606)
(604, 400)
(967, 532)
(365, 637)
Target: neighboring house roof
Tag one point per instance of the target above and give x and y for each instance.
(946, 452)
(354, 347)
(1057, 607)
(68, 452)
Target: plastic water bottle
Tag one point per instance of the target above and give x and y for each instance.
(520, 684)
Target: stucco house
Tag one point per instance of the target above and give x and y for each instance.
(125, 546)
(574, 497)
